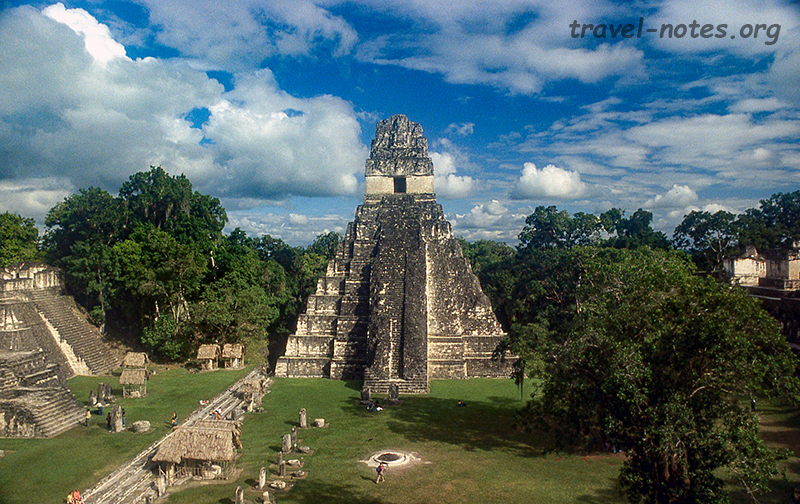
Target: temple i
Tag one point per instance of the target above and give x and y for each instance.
(399, 303)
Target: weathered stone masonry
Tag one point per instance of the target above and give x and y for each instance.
(399, 303)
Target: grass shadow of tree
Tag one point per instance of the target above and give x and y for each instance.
(603, 495)
(314, 492)
(484, 425)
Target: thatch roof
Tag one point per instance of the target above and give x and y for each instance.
(232, 351)
(133, 377)
(207, 352)
(199, 442)
(135, 360)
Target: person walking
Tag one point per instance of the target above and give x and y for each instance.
(381, 470)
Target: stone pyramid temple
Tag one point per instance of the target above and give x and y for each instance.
(43, 341)
(399, 303)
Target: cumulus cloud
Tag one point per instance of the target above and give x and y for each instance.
(96, 37)
(293, 228)
(549, 182)
(679, 196)
(488, 221)
(445, 181)
(75, 106)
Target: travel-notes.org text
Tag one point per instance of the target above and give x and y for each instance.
(694, 30)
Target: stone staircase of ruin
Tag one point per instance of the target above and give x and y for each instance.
(84, 338)
(53, 409)
(26, 312)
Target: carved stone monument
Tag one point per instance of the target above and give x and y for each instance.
(303, 419)
(365, 395)
(116, 419)
(286, 443)
(399, 303)
(394, 395)
(294, 436)
(262, 478)
(239, 495)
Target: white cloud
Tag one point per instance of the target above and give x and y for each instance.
(33, 197)
(62, 115)
(679, 196)
(293, 228)
(445, 181)
(239, 34)
(549, 182)
(96, 36)
(463, 129)
(521, 60)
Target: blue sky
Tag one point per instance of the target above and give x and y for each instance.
(271, 105)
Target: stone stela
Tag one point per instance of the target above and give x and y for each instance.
(399, 304)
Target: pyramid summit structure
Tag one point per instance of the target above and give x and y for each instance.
(399, 304)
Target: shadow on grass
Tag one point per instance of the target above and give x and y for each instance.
(604, 495)
(477, 426)
(313, 492)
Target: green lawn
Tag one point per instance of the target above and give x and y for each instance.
(79, 458)
(470, 454)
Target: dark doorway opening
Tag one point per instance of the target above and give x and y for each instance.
(399, 185)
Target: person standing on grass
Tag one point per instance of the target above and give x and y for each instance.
(381, 470)
(88, 416)
(174, 419)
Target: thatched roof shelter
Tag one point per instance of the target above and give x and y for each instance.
(133, 377)
(206, 441)
(134, 382)
(232, 351)
(135, 360)
(206, 352)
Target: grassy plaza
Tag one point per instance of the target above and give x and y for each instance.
(471, 453)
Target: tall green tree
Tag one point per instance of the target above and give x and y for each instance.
(775, 223)
(708, 238)
(634, 231)
(81, 230)
(657, 365)
(19, 239)
(483, 253)
(169, 204)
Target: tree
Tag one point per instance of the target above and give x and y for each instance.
(708, 238)
(81, 230)
(483, 253)
(776, 223)
(325, 245)
(546, 228)
(549, 228)
(657, 365)
(169, 204)
(634, 231)
(19, 239)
